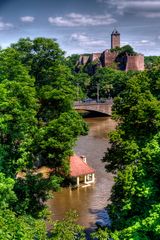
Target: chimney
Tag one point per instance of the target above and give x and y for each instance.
(83, 158)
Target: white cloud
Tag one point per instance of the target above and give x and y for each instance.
(5, 25)
(143, 5)
(124, 43)
(76, 20)
(85, 41)
(146, 8)
(27, 19)
(144, 41)
(151, 14)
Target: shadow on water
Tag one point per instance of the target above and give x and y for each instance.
(91, 114)
(101, 219)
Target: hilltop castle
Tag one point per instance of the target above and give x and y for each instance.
(111, 57)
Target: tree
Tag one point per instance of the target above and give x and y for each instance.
(71, 62)
(58, 124)
(18, 108)
(68, 228)
(11, 226)
(21, 228)
(151, 62)
(123, 50)
(82, 81)
(108, 78)
(38, 124)
(134, 157)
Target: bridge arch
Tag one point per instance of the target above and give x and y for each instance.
(104, 108)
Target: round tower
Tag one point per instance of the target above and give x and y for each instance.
(115, 39)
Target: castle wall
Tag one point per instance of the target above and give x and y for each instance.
(95, 56)
(108, 58)
(135, 62)
(83, 60)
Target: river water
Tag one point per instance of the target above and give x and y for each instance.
(89, 202)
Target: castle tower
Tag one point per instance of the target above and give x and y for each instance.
(115, 39)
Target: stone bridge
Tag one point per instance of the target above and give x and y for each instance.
(105, 108)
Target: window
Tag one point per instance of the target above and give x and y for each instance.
(89, 177)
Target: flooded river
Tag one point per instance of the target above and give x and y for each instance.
(88, 201)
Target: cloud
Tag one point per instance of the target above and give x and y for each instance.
(144, 43)
(146, 8)
(151, 14)
(78, 20)
(5, 25)
(85, 41)
(27, 19)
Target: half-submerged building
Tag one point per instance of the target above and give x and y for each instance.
(81, 171)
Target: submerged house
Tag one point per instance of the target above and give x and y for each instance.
(81, 171)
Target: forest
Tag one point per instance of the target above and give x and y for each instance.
(39, 127)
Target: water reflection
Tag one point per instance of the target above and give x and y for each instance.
(88, 201)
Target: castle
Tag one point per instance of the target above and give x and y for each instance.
(109, 58)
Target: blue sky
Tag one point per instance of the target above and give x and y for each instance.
(83, 26)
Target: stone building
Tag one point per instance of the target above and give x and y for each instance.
(115, 39)
(109, 57)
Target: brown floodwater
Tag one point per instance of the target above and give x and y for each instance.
(90, 201)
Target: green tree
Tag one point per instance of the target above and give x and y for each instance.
(58, 124)
(7, 195)
(38, 126)
(11, 225)
(134, 157)
(111, 82)
(68, 228)
(21, 228)
(151, 62)
(71, 62)
(18, 108)
(82, 81)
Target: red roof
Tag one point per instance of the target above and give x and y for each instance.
(78, 167)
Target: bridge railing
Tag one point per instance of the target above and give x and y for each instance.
(93, 102)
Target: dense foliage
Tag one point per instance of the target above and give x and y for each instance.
(134, 157)
(151, 61)
(38, 127)
(126, 49)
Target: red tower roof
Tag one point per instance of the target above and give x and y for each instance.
(78, 167)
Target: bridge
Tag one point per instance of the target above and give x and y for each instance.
(105, 108)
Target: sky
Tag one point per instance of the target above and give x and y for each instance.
(83, 26)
